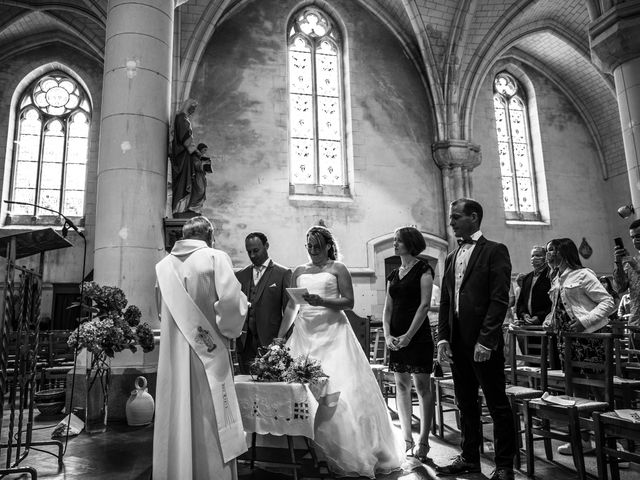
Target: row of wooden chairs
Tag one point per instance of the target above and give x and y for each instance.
(53, 357)
(529, 375)
(586, 390)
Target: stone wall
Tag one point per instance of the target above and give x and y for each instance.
(241, 84)
(62, 266)
(581, 203)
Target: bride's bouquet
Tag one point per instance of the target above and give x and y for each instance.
(275, 364)
(272, 362)
(304, 369)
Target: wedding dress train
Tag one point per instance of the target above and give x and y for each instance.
(356, 437)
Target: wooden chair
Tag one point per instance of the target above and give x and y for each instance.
(527, 373)
(609, 428)
(445, 401)
(61, 358)
(576, 416)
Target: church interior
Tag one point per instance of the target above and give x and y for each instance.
(359, 115)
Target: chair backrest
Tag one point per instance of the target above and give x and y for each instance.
(588, 373)
(378, 352)
(59, 350)
(360, 326)
(529, 355)
(627, 350)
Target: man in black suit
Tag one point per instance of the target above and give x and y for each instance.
(534, 303)
(474, 299)
(264, 283)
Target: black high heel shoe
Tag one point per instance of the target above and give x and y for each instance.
(409, 446)
(423, 450)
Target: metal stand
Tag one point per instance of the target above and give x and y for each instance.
(21, 313)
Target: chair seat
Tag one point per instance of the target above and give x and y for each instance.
(528, 369)
(582, 404)
(555, 373)
(521, 392)
(445, 382)
(627, 382)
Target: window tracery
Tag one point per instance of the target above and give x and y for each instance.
(51, 148)
(316, 116)
(514, 149)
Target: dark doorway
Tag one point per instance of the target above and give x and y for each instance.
(64, 294)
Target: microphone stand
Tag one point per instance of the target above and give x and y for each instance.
(65, 229)
(67, 221)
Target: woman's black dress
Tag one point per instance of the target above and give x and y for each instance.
(417, 357)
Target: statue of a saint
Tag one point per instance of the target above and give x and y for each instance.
(184, 154)
(201, 167)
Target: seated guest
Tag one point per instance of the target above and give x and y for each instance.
(533, 304)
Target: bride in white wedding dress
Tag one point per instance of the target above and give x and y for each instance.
(356, 438)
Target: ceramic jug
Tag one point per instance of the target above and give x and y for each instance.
(140, 405)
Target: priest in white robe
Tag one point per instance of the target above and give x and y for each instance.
(198, 429)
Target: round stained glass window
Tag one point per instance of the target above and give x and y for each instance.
(57, 97)
(505, 84)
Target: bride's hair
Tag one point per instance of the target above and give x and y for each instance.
(324, 237)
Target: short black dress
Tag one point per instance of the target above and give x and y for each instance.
(417, 357)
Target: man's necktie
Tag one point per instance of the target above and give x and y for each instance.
(256, 275)
(462, 241)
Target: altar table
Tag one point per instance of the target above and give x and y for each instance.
(280, 408)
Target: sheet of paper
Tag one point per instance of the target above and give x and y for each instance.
(295, 294)
(629, 414)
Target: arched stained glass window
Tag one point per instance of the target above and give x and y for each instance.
(51, 147)
(316, 113)
(514, 149)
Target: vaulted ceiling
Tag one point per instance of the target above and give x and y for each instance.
(454, 44)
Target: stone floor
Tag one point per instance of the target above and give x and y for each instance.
(125, 453)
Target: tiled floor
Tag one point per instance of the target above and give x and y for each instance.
(125, 453)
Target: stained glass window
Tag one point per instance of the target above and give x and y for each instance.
(316, 114)
(51, 147)
(514, 149)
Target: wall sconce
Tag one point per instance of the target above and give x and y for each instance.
(626, 211)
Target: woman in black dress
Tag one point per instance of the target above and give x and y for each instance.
(408, 335)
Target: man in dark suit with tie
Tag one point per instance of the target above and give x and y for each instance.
(533, 303)
(474, 299)
(264, 283)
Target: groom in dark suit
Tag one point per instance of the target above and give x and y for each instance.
(264, 283)
(473, 303)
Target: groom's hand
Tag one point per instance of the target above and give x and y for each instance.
(481, 353)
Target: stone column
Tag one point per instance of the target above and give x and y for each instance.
(615, 48)
(456, 159)
(132, 161)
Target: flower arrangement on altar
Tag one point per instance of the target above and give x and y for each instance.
(275, 364)
(109, 328)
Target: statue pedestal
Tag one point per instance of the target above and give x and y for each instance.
(172, 231)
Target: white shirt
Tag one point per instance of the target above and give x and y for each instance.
(258, 271)
(461, 261)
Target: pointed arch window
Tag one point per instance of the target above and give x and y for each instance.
(316, 105)
(51, 147)
(514, 149)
